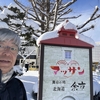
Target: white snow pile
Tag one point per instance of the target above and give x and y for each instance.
(19, 70)
(47, 35)
(6, 12)
(30, 81)
(3, 25)
(35, 87)
(30, 22)
(67, 25)
(96, 83)
(14, 5)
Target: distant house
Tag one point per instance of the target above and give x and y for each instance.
(30, 57)
(96, 54)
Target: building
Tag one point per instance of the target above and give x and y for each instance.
(96, 54)
(27, 53)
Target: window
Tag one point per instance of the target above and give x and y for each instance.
(68, 54)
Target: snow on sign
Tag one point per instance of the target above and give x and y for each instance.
(65, 67)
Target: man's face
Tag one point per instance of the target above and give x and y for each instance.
(8, 55)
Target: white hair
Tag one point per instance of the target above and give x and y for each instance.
(7, 34)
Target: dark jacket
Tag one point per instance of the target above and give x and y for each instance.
(12, 90)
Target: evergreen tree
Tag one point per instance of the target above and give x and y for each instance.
(47, 13)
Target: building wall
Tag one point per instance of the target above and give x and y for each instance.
(56, 67)
(96, 54)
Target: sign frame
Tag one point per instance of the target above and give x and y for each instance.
(41, 70)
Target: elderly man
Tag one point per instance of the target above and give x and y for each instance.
(11, 88)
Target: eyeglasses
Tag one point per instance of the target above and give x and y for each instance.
(12, 49)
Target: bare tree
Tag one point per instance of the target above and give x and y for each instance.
(49, 13)
(25, 54)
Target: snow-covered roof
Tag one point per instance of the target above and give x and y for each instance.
(67, 25)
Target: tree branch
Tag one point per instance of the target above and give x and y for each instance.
(24, 8)
(90, 19)
(86, 29)
(63, 7)
(55, 16)
(34, 5)
(68, 11)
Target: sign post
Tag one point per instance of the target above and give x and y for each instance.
(65, 68)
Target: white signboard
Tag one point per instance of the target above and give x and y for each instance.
(66, 73)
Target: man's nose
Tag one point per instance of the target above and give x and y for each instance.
(6, 51)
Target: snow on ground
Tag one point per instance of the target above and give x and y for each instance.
(30, 79)
(96, 82)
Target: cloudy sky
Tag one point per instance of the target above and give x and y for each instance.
(84, 7)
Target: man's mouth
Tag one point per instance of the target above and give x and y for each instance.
(6, 61)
